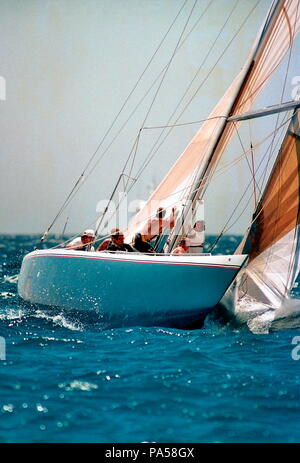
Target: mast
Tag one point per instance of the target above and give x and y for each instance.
(213, 154)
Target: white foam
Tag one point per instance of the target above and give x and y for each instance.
(263, 320)
(11, 314)
(79, 385)
(247, 308)
(6, 295)
(60, 320)
(11, 278)
(262, 323)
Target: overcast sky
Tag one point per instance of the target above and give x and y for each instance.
(68, 67)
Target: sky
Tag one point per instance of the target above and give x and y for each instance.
(66, 68)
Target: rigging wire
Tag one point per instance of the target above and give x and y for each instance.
(148, 91)
(150, 157)
(83, 179)
(121, 177)
(151, 154)
(251, 167)
(218, 173)
(131, 169)
(227, 227)
(282, 126)
(271, 149)
(153, 101)
(169, 64)
(255, 184)
(293, 257)
(64, 229)
(253, 175)
(163, 77)
(133, 160)
(75, 187)
(143, 167)
(183, 123)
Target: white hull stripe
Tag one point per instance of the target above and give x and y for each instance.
(138, 261)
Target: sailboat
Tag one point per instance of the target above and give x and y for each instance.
(177, 291)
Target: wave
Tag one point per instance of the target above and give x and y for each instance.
(11, 278)
(11, 314)
(6, 294)
(60, 320)
(262, 319)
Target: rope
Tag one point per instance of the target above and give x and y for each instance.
(184, 123)
(249, 184)
(224, 230)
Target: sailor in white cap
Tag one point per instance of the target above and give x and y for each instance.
(84, 242)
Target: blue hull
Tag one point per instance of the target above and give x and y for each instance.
(128, 290)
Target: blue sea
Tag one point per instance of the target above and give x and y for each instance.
(70, 380)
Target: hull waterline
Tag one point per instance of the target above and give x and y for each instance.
(128, 289)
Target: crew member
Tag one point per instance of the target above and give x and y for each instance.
(183, 248)
(155, 227)
(196, 237)
(117, 243)
(83, 242)
(103, 246)
(141, 244)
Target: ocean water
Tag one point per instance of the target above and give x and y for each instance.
(69, 380)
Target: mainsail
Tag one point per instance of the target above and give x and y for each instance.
(188, 178)
(273, 239)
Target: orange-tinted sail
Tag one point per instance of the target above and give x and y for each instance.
(194, 167)
(272, 242)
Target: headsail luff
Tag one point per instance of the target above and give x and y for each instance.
(193, 168)
(273, 240)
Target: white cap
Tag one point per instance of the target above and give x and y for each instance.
(89, 232)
